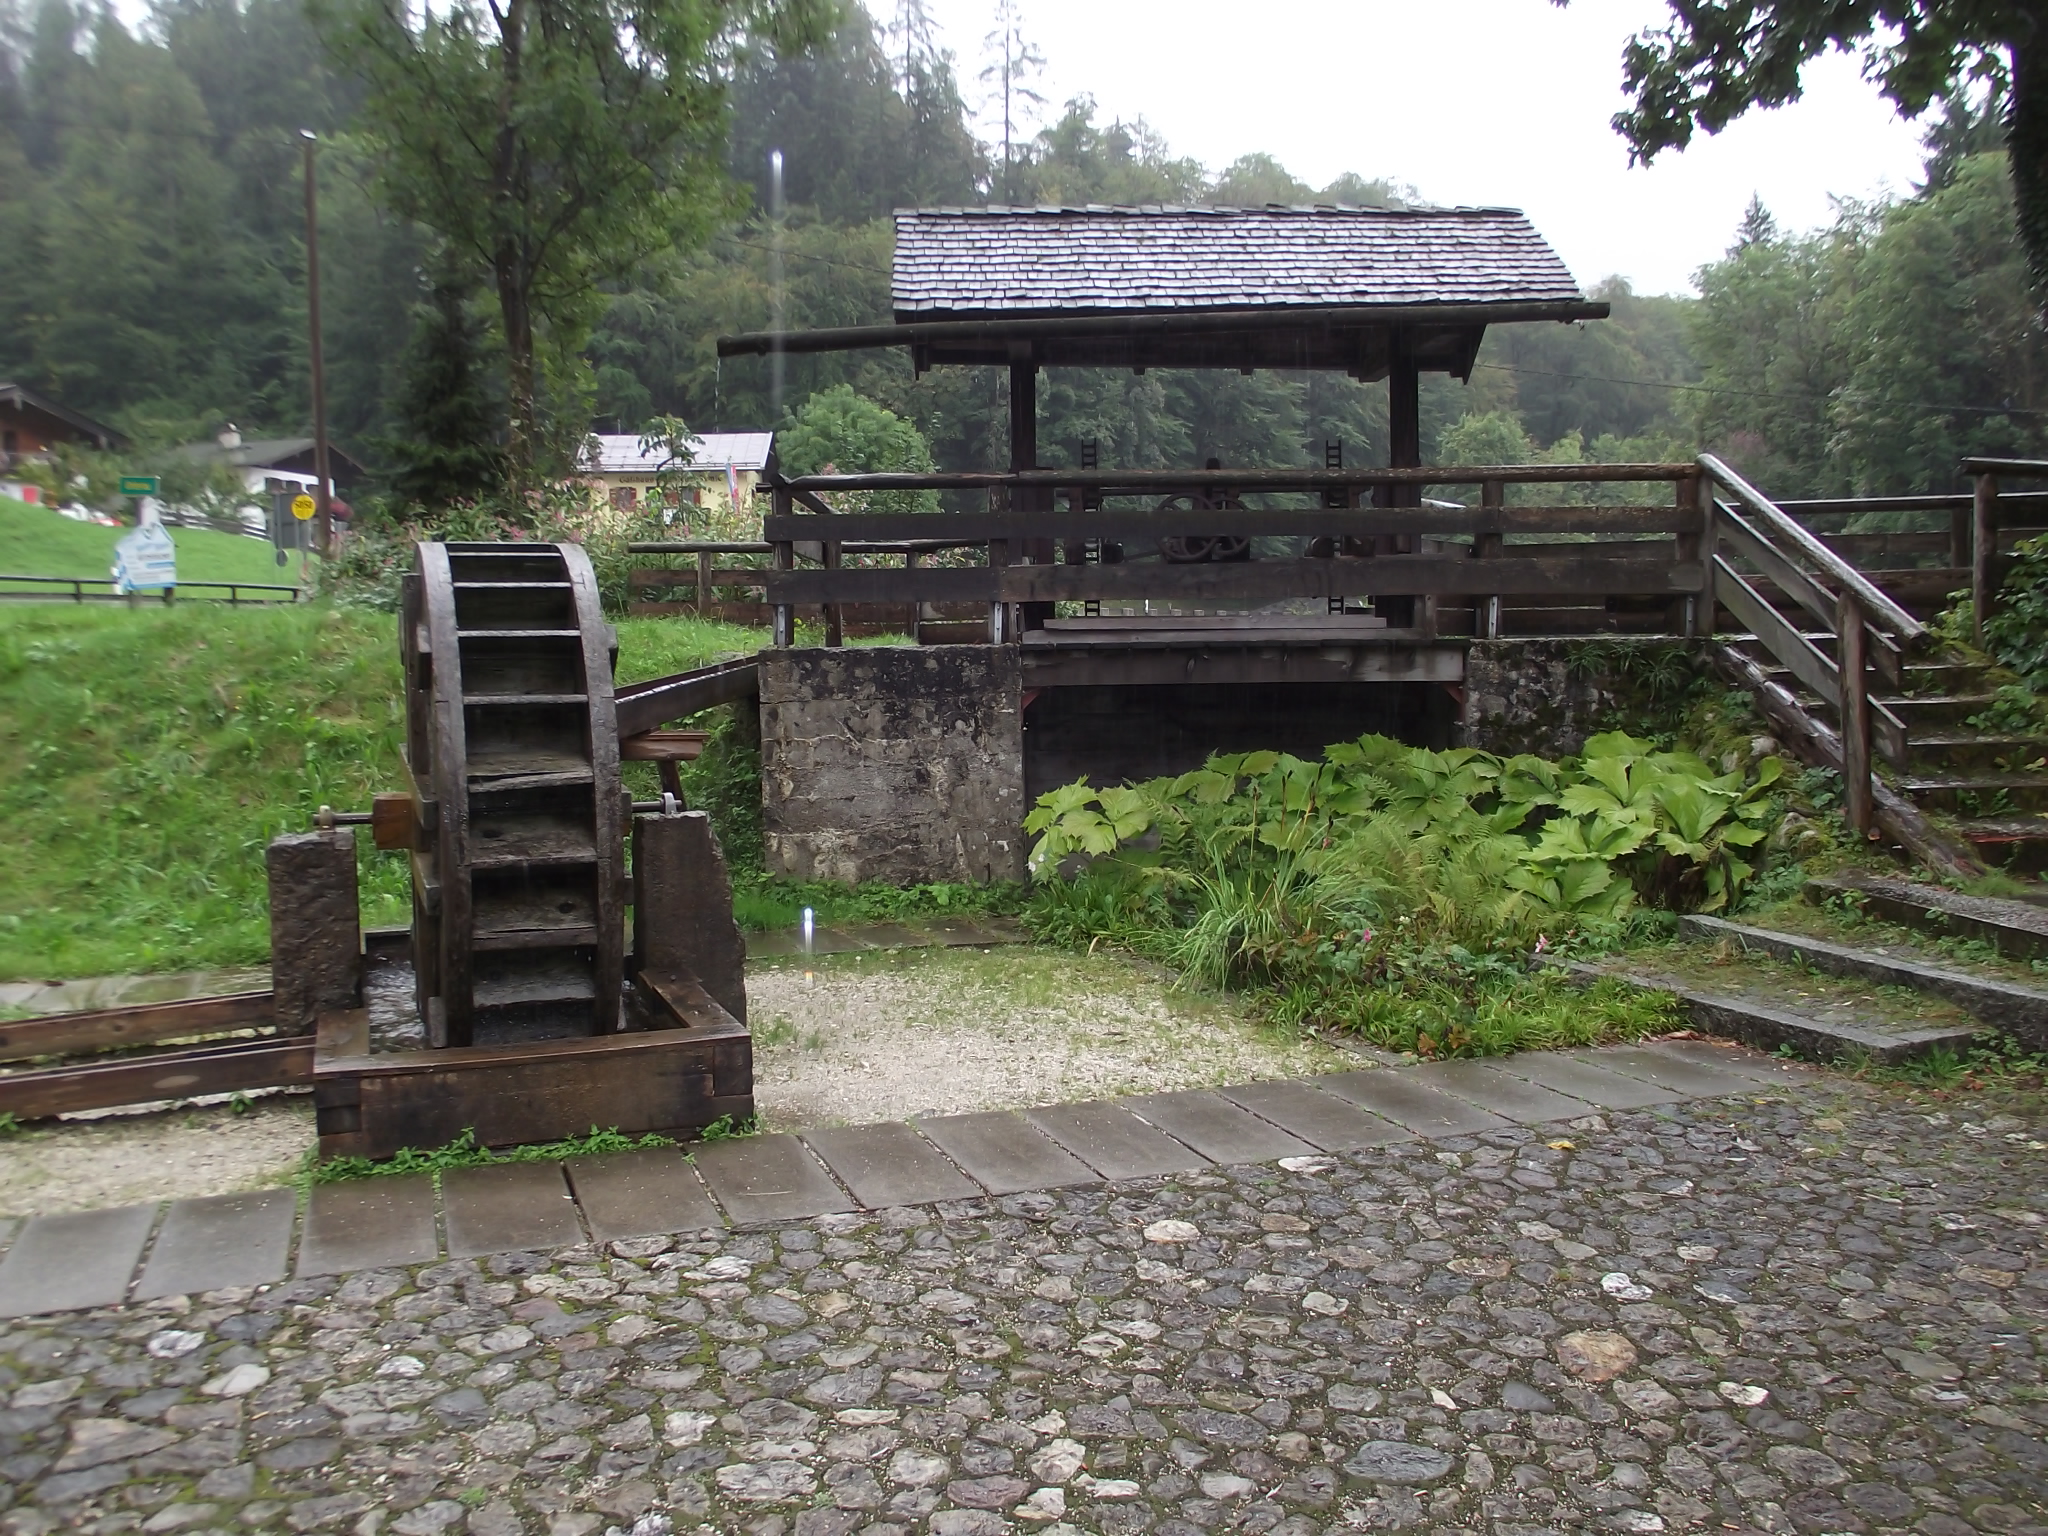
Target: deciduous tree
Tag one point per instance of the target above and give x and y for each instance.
(555, 144)
(1718, 58)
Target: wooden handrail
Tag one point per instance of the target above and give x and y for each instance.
(2019, 469)
(1876, 606)
(1150, 480)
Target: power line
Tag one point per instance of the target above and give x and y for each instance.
(1758, 394)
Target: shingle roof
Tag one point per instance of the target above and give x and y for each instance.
(1023, 261)
(618, 453)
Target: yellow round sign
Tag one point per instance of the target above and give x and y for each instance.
(303, 507)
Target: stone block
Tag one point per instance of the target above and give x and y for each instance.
(682, 907)
(895, 763)
(316, 938)
(1545, 696)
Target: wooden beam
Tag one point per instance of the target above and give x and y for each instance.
(65, 1034)
(640, 707)
(1050, 667)
(1146, 527)
(1785, 643)
(1255, 581)
(1116, 481)
(237, 1068)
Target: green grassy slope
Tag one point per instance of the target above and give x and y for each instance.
(35, 541)
(147, 756)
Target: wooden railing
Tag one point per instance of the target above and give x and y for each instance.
(1989, 511)
(1847, 625)
(98, 589)
(1376, 539)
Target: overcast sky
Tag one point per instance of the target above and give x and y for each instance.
(1477, 102)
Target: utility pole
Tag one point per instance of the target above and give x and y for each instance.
(323, 528)
(775, 315)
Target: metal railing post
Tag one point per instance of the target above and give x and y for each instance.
(1488, 546)
(785, 560)
(1850, 656)
(1983, 550)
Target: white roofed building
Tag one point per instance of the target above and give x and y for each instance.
(711, 495)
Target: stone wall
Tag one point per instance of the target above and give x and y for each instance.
(1545, 696)
(894, 763)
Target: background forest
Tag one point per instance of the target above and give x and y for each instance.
(151, 273)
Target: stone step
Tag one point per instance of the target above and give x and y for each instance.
(2016, 929)
(2014, 844)
(2018, 1010)
(1770, 1026)
(1950, 751)
(1924, 713)
(100, 1258)
(1972, 793)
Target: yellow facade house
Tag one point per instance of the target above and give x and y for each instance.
(710, 496)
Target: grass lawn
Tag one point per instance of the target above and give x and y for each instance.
(148, 756)
(36, 541)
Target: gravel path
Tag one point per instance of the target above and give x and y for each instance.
(945, 1032)
(1815, 1310)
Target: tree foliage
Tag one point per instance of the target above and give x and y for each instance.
(1713, 62)
(555, 144)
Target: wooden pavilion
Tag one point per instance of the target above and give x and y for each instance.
(1377, 293)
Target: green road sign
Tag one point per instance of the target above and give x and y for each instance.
(139, 485)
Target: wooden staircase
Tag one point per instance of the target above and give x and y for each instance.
(1984, 784)
(1852, 678)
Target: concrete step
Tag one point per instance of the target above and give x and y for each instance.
(2016, 929)
(2018, 1010)
(1769, 1025)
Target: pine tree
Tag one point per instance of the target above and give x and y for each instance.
(451, 423)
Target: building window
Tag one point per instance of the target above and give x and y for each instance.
(623, 497)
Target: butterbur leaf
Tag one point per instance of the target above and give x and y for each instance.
(1253, 764)
(1615, 745)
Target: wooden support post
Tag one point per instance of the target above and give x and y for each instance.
(1404, 445)
(1959, 522)
(785, 560)
(1983, 551)
(835, 624)
(1024, 456)
(1707, 603)
(316, 940)
(912, 559)
(682, 908)
(703, 581)
(1685, 551)
(1487, 546)
(1850, 657)
(998, 611)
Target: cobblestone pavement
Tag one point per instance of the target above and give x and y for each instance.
(1815, 1309)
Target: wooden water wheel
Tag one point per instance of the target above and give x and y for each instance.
(518, 878)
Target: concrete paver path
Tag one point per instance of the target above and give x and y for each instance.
(1768, 1299)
